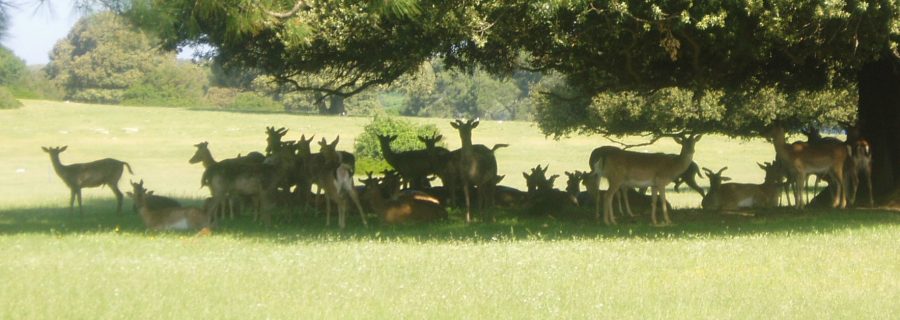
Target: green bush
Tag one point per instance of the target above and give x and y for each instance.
(171, 84)
(7, 100)
(254, 102)
(36, 85)
(368, 150)
(220, 97)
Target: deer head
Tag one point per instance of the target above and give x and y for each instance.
(273, 139)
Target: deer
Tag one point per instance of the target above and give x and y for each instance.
(170, 218)
(861, 166)
(542, 197)
(635, 169)
(476, 165)
(92, 174)
(507, 197)
(734, 196)
(689, 178)
(311, 164)
(336, 178)
(413, 165)
(405, 208)
(273, 139)
(230, 167)
(804, 159)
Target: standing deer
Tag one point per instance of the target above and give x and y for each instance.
(476, 165)
(336, 178)
(273, 139)
(861, 166)
(88, 175)
(168, 218)
(812, 158)
(224, 173)
(654, 170)
(413, 165)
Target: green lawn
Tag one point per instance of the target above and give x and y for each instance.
(778, 263)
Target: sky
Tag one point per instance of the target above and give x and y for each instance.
(35, 29)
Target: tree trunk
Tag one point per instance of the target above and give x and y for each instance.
(320, 103)
(879, 122)
(337, 105)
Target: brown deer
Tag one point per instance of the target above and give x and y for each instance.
(804, 159)
(654, 170)
(476, 165)
(413, 165)
(336, 178)
(861, 166)
(405, 208)
(227, 173)
(92, 174)
(734, 196)
(171, 218)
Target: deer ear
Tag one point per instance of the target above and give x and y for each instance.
(45, 149)
(454, 124)
(63, 148)
(726, 179)
(475, 123)
(525, 175)
(335, 142)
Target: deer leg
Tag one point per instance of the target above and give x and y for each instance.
(597, 203)
(119, 197)
(662, 204)
(653, 196)
(869, 183)
(853, 184)
(799, 186)
(355, 199)
(78, 193)
(72, 201)
(609, 217)
(624, 192)
(468, 203)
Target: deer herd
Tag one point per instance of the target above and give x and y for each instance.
(284, 176)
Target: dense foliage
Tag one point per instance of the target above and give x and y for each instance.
(368, 149)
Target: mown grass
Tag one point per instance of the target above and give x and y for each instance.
(777, 263)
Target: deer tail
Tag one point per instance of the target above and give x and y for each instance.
(128, 166)
(498, 146)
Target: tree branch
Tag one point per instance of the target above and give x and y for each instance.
(300, 5)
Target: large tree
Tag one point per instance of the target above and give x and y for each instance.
(630, 66)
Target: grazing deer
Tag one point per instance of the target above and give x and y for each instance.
(336, 178)
(476, 165)
(413, 166)
(635, 169)
(77, 176)
(861, 166)
(734, 196)
(405, 208)
(171, 218)
(804, 159)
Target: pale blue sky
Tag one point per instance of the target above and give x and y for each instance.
(34, 29)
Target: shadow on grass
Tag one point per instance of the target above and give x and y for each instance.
(511, 225)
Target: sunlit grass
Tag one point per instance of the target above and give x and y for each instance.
(771, 264)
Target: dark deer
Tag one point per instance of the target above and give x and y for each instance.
(77, 176)
(413, 165)
(476, 165)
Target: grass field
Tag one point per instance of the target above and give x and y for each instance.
(778, 263)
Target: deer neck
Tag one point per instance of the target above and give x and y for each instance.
(466, 142)
(57, 165)
(686, 156)
(781, 150)
(387, 152)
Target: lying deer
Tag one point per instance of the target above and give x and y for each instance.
(88, 175)
(734, 196)
(171, 218)
(405, 208)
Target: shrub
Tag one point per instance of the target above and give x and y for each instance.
(368, 150)
(7, 100)
(254, 102)
(173, 84)
(220, 97)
